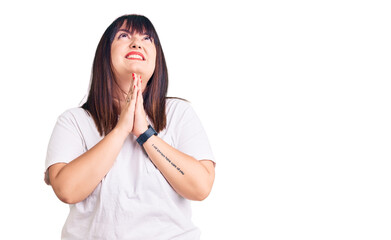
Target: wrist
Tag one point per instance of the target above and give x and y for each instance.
(142, 138)
(119, 132)
(142, 130)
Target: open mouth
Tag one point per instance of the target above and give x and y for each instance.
(135, 56)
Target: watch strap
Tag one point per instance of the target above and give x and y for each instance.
(146, 135)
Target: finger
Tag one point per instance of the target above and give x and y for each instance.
(141, 81)
(131, 89)
(128, 97)
(131, 100)
(140, 94)
(134, 82)
(139, 101)
(137, 93)
(140, 97)
(134, 92)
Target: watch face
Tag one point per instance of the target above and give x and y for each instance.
(153, 131)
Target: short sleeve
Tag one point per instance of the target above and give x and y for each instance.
(191, 136)
(65, 143)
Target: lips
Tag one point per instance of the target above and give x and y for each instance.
(135, 55)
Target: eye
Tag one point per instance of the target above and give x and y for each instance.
(122, 35)
(148, 38)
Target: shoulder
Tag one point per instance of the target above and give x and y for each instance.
(179, 110)
(177, 104)
(74, 114)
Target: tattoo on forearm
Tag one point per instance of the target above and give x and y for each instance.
(168, 160)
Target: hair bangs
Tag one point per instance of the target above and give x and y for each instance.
(136, 24)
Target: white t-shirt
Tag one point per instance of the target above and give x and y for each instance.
(134, 200)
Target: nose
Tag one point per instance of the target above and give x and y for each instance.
(135, 44)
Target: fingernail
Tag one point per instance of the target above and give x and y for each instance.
(133, 75)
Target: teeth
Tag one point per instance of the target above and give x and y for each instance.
(135, 56)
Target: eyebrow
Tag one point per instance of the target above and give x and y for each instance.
(126, 30)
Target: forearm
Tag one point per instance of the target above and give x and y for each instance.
(185, 174)
(77, 179)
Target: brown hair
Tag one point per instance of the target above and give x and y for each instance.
(103, 87)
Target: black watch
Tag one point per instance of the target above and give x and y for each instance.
(146, 135)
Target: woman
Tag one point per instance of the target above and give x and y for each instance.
(129, 159)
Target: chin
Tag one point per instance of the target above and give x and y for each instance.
(136, 69)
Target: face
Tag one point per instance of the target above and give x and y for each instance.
(134, 53)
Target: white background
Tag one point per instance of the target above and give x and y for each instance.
(294, 95)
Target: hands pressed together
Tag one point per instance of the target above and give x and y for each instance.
(133, 117)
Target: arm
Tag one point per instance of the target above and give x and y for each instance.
(190, 178)
(73, 182)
